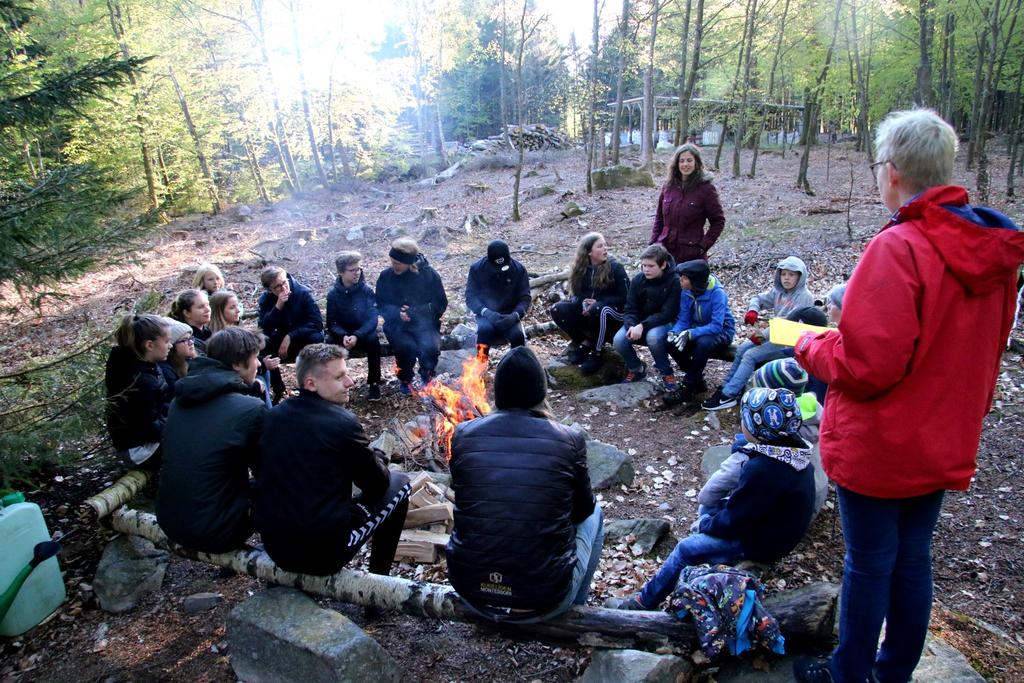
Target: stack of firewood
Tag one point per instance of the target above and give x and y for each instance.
(538, 136)
(429, 522)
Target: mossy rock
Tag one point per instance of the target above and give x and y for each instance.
(568, 377)
(614, 177)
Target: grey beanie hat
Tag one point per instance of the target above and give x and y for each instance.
(836, 294)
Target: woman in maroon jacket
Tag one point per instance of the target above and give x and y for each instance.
(688, 200)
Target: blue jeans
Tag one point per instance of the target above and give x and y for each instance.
(749, 357)
(692, 550)
(656, 339)
(887, 574)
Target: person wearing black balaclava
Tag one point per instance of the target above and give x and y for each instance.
(498, 293)
(704, 326)
(528, 531)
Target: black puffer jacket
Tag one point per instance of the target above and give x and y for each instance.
(304, 490)
(613, 295)
(137, 400)
(521, 484)
(422, 292)
(300, 318)
(351, 310)
(210, 442)
(501, 291)
(653, 302)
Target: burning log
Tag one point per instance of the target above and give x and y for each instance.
(806, 615)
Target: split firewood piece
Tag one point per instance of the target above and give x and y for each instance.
(420, 546)
(418, 480)
(441, 491)
(439, 512)
(422, 499)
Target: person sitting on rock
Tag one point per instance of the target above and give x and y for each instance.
(651, 308)
(352, 316)
(767, 514)
(208, 278)
(305, 513)
(412, 299)
(598, 286)
(289, 317)
(528, 532)
(704, 326)
(211, 440)
(498, 293)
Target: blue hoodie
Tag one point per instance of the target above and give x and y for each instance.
(706, 314)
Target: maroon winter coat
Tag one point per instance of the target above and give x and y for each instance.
(679, 223)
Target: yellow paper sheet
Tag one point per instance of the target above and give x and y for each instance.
(786, 332)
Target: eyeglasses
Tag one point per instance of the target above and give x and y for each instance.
(186, 340)
(279, 286)
(872, 167)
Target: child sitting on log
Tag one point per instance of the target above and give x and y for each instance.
(768, 513)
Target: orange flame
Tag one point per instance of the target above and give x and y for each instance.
(467, 402)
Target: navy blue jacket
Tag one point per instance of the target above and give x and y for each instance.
(653, 302)
(707, 313)
(300, 318)
(770, 509)
(351, 310)
(422, 292)
(501, 291)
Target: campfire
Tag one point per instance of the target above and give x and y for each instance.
(453, 405)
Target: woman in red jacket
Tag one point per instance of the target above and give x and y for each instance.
(911, 373)
(688, 200)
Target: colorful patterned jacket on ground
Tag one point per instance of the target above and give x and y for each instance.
(725, 604)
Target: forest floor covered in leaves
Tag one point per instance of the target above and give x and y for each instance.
(979, 554)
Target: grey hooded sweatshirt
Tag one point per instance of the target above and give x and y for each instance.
(777, 299)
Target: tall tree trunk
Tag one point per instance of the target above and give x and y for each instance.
(140, 121)
(502, 87)
(691, 80)
(981, 41)
(254, 168)
(204, 167)
(863, 134)
(925, 95)
(278, 129)
(1015, 135)
(648, 129)
(330, 117)
(948, 78)
(592, 86)
(812, 106)
(438, 121)
(771, 86)
(684, 49)
(524, 36)
(314, 148)
(741, 124)
(620, 68)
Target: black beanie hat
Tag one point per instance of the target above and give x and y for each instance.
(698, 271)
(498, 254)
(519, 380)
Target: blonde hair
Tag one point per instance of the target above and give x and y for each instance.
(408, 245)
(202, 271)
(602, 272)
(218, 302)
(919, 145)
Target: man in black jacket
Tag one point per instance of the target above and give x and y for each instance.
(210, 442)
(289, 317)
(528, 532)
(305, 513)
(352, 316)
(498, 293)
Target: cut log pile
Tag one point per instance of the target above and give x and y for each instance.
(429, 522)
(536, 135)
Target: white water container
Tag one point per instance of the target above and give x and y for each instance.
(21, 527)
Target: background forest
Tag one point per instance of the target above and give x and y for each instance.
(118, 115)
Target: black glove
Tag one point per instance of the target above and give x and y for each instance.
(508, 320)
(493, 317)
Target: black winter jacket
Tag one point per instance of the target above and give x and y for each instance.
(304, 488)
(501, 291)
(210, 442)
(422, 292)
(300, 318)
(137, 400)
(200, 335)
(653, 302)
(351, 310)
(521, 484)
(614, 295)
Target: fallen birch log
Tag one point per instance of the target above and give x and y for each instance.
(542, 280)
(805, 615)
(116, 495)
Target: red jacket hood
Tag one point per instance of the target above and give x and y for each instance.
(981, 247)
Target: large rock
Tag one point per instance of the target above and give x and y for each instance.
(634, 666)
(613, 177)
(608, 466)
(281, 635)
(130, 568)
(451, 362)
(620, 395)
(568, 377)
(647, 532)
(467, 333)
(713, 458)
